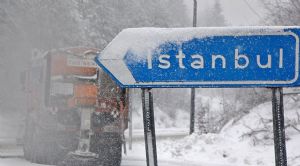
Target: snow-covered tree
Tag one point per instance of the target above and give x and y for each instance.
(212, 16)
(282, 12)
(49, 24)
(104, 19)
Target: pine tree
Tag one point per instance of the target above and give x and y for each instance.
(212, 16)
(105, 19)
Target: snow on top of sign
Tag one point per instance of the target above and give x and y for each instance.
(141, 40)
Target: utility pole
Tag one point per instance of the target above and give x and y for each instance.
(195, 14)
(192, 116)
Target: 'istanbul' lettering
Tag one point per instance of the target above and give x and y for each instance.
(198, 61)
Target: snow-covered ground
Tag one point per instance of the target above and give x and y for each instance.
(9, 125)
(16, 162)
(246, 142)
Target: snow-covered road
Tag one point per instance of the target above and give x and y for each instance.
(12, 155)
(231, 147)
(127, 161)
(131, 161)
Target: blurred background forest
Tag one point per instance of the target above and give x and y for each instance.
(27, 25)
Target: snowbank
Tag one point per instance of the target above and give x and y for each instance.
(248, 141)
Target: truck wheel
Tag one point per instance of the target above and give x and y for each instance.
(113, 156)
(27, 146)
(43, 143)
(42, 147)
(109, 148)
(37, 150)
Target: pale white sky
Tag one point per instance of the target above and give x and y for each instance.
(236, 12)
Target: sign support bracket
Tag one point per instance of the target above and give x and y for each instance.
(149, 127)
(278, 127)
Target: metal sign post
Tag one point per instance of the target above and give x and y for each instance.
(149, 127)
(278, 127)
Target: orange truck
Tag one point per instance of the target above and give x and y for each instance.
(74, 109)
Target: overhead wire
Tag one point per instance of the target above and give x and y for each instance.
(252, 9)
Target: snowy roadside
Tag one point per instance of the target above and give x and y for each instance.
(17, 162)
(247, 142)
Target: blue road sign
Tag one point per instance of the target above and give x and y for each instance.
(204, 57)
